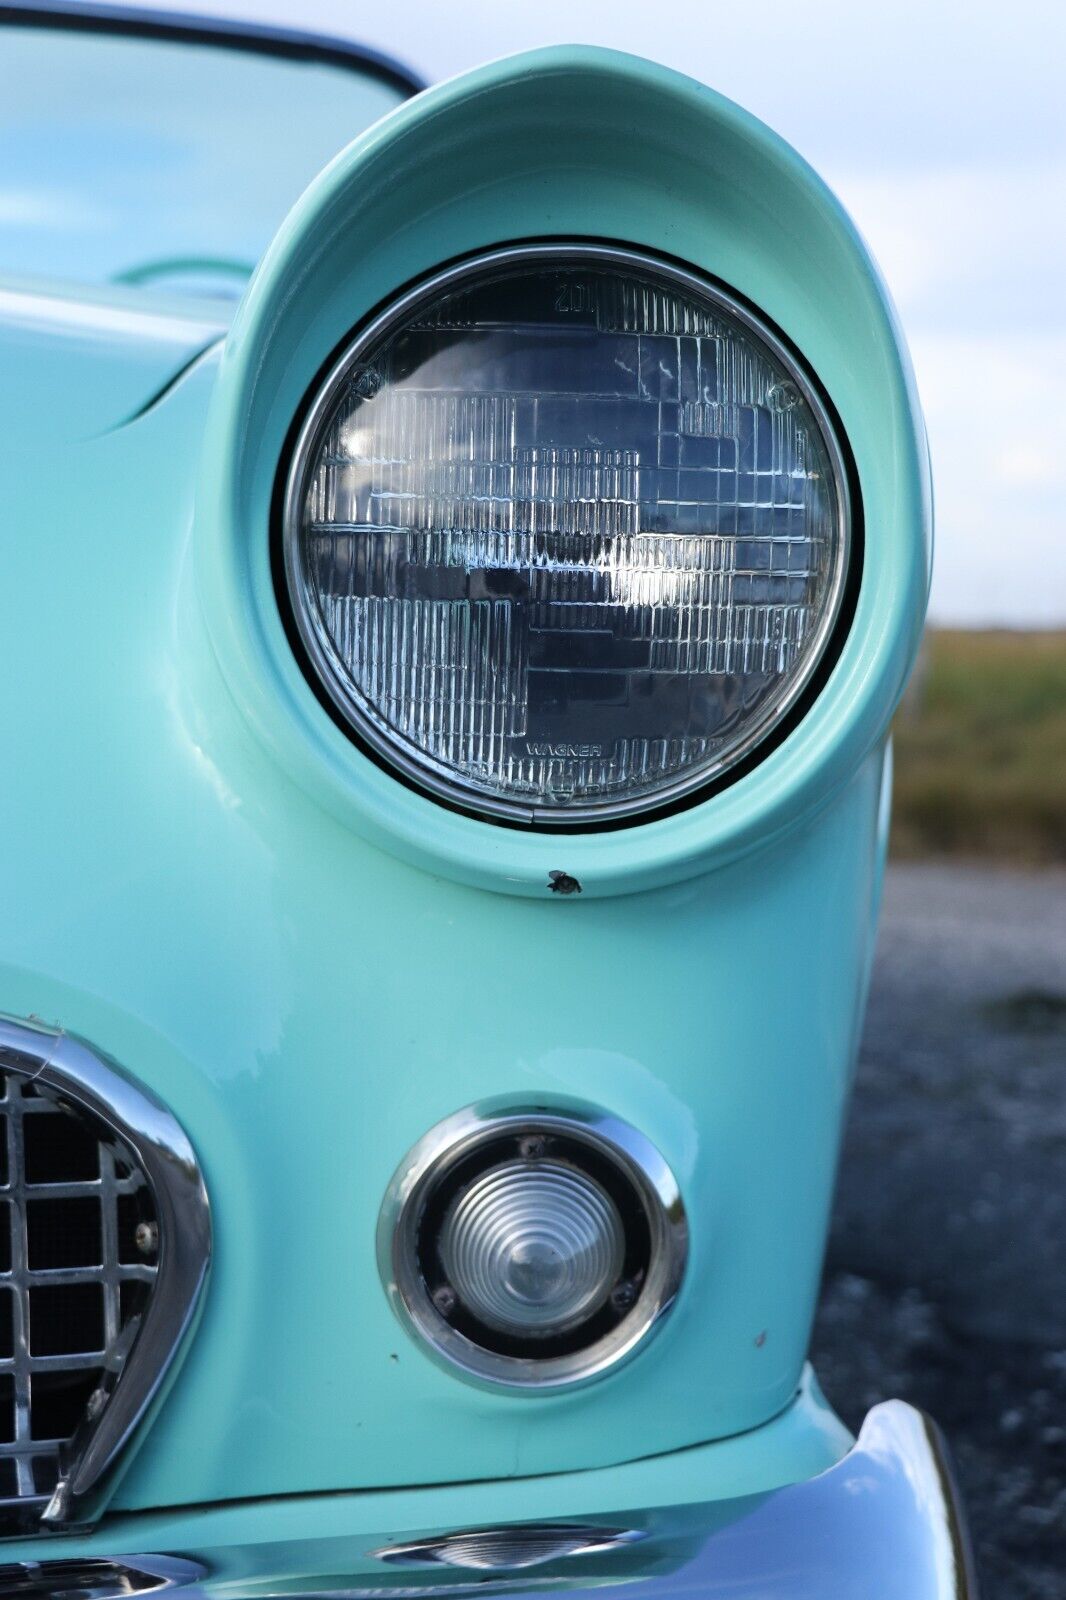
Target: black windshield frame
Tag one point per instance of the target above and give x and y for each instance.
(178, 28)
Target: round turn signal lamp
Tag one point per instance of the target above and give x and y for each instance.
(532, 1249)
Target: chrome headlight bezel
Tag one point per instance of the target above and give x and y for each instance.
(327, 673)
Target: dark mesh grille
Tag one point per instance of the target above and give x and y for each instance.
(77, 1262)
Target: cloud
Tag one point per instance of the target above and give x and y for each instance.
(995, 407)
(976, 257)
(941, 127)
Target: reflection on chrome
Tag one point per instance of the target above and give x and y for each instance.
(95, 1580)
(507, 1549)
(883, 1524)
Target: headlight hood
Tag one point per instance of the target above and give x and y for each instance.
(575, 143)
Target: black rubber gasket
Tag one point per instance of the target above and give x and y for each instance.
(584, 1158)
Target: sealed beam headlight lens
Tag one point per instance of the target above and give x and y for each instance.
(565, 534)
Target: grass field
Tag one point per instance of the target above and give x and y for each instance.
(981, 749)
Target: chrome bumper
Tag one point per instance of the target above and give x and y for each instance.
(883, 1524)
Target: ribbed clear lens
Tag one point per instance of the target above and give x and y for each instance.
(533, 1247)
(565, 538)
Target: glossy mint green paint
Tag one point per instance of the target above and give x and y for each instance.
(76, 362)
(566, 142)
(312, 965)
(320, 1543)
(308, 1005)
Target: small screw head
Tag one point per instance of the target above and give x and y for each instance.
(367, 383)
(445, 1299)
(531, 1146)
(146, 1238)
(624, 1295)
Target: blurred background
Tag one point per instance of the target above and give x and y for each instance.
(943, 128)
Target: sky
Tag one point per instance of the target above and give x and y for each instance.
(942, 127)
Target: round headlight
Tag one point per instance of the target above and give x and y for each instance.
(565, 534)
(533, 1249)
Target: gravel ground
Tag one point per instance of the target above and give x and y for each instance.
(946, 1273)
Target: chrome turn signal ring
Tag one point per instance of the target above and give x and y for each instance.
(532, 1249)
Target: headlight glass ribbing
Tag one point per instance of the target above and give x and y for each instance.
(565, 534)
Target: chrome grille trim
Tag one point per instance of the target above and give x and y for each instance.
(141, 1145)
(27, 1452)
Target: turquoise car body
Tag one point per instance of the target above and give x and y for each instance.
(311, 964)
